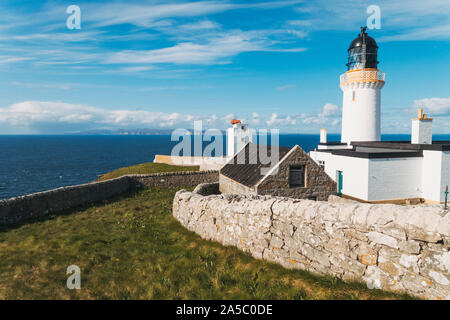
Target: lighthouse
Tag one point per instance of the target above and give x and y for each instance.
(237, 137)
(367, 169)
(361, 86)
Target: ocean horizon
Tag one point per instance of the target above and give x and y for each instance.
(34, 163)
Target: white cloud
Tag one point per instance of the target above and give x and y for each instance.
(145, 15)
(200, 25)
(287, 86)
(40, 114)
(134, 69)
(187, 24)
(63, 37)
(41, 85)
(28, 113)
(433, 106)
(330, 113)
(10, 59)
(406, 19)
(298, 33)
(330, 109)
(188, 52)
(300, 23)
(215, 50)
(276, 120)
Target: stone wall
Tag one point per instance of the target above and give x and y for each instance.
(40, 204)
(173, 179)
(228, 185)
(205, 189)
(205, 163)
(396, 248)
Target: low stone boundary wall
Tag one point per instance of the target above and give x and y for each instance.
(174, 179)
(391, 247)
(205, 163)
(206, 189)
(40, 204)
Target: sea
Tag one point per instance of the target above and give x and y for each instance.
(34, 163)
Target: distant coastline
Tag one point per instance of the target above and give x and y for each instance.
(134, 132)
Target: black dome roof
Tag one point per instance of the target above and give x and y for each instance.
(363, 38)
(363, 52)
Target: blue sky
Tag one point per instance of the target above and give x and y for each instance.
(164, 64)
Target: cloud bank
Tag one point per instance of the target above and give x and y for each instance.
(39, 113)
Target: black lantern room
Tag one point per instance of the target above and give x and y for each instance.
(362, 52)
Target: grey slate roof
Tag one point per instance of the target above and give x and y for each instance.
(249, 172)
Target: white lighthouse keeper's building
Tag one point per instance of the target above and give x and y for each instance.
(368, 169)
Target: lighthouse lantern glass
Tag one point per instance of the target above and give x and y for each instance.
(362, 52)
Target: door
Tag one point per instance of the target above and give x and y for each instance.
(339, 181)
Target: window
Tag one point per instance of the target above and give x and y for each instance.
(297, 176)
(339, 181)
(322, 164)
(354, 96)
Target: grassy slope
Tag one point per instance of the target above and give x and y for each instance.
(146, 168)
(132, 248)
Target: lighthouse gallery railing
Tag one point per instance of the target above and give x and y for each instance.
(364, 75)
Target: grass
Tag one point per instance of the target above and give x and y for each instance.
(146, 168)
(132, 248)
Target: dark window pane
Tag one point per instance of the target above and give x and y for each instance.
(297, 176)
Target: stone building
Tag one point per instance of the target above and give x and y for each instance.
(294, 174)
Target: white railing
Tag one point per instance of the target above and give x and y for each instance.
(362, 76)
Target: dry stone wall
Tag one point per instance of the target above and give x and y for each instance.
(227, 185)
(391, 247)
(173, 179)
(35, 205)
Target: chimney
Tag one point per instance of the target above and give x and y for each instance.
(323, 135)
(422, 129)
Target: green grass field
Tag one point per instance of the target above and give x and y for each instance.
(132, 248)
(146, 168)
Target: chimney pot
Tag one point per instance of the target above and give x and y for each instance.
(323, 136)
(420, 113)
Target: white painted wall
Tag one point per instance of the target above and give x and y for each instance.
(237, 137)
(355, 172)
(421, 131)
(335, 147)
(395, 178)
(361, 116)
(445, 181)
(432, 175)
(390, 179)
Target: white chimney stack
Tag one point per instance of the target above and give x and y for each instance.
(422, 129)
(323, 135)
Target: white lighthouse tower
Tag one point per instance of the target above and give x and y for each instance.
(361, 84)
(237, 137)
